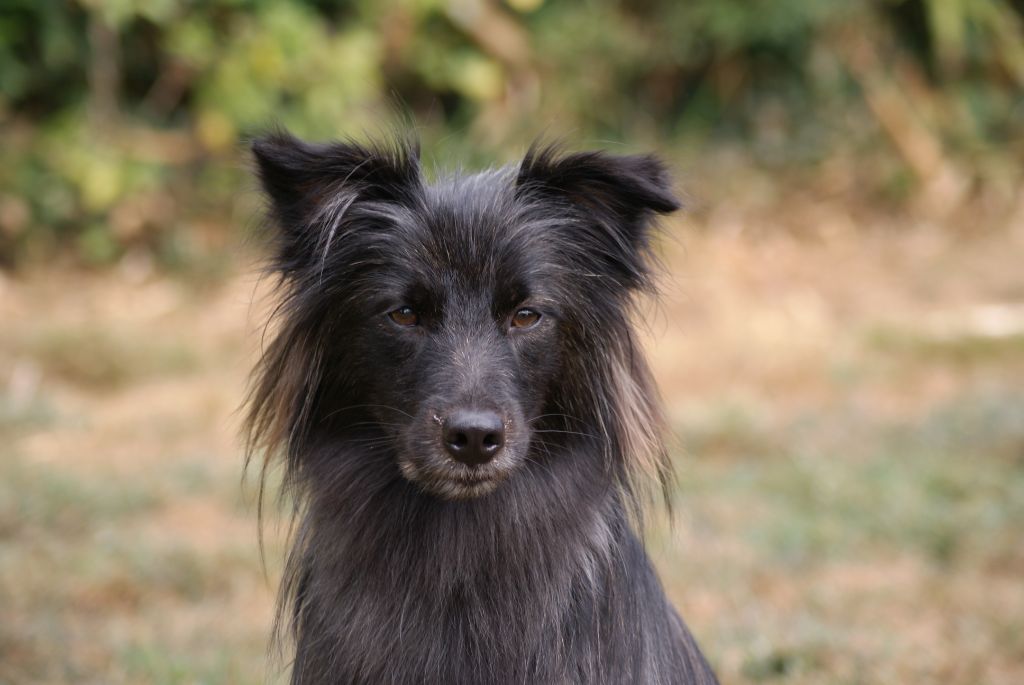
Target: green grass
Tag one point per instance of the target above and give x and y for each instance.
(18, 417)
(963, 348)
(42, 499)
(198, 663)
(83, 554)
(951, 482)
(827, 514)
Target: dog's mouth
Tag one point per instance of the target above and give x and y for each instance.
(469, 489)
(470, 483)
(447, 479)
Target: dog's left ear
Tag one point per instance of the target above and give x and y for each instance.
(618, 196)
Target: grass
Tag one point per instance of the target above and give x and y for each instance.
(964, 348)
(951, 481)
(822, 559)
(100, 358)
(82, 555)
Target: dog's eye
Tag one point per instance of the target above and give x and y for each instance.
(404, 316)
(525, 318)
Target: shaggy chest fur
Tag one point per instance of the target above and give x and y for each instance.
(407, 589)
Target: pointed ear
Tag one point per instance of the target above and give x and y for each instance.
(310, 186)
(617, 198)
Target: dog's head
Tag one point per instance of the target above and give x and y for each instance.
(462, 327)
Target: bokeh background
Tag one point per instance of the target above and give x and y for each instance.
(840, 341)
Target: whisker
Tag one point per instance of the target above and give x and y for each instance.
(383, 424)
(552, 430)
(548, 416)
(370, 406)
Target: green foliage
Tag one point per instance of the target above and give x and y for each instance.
(123, 119)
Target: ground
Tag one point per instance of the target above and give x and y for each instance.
(847, 405)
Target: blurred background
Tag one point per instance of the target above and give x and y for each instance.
(840, 341)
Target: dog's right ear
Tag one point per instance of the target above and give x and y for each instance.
(311, 186)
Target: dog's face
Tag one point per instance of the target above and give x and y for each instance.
(458, 326)
(443, 314)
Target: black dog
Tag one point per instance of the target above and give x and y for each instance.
(466, 419)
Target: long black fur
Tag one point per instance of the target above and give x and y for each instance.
(406, 567)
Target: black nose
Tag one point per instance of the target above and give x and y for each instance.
(473, 437)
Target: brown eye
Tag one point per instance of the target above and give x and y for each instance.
(525, 318)
(404, 316)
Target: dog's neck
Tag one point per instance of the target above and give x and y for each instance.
(527, 560)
